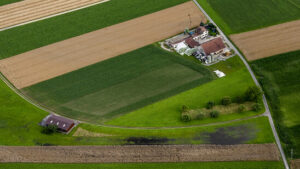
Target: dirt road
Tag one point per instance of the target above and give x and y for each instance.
(53, 60)
(269, 41)
(153, 153)
(28, 10)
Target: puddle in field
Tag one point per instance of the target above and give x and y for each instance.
(229, 135)
(147, 141)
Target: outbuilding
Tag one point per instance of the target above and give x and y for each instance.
(63, 124)
(214, 46)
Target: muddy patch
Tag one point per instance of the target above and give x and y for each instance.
(147, 141)
(229, 135)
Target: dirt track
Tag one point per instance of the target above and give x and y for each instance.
(269, 41)
(53, 60)
(163, 153)
(28, 10)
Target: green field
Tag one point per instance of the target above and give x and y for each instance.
(167, 112)
(4, 2)
(119, 85)
(235, 16)
(19, 126)
(279, 76)
(193, 165)
(31, 36)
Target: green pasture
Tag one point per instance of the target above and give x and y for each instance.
(168, 111)
(5, 2)
(19, 126)
(119, 85)
(31, 36)
(192, 165)
(235, 16)
(279, 76)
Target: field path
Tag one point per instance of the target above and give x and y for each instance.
(269, 41)
(59, 58)
(139, 153)
(267, 113)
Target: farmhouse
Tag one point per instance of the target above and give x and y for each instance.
(200, 33)
(191, 42)
(213, 47)
(63, 124)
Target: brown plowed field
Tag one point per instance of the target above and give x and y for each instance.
(269, 41)
(53, 60)
(28, 10)
(150, 153)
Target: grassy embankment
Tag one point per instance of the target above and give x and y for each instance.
(235, 16)
(193, 165)
(167, 112)
(24, 38)
(279, 76)
(5, 2)
(119, 85)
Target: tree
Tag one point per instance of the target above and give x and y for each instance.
(184, 109)
(50, 129)
(214, 114)
(241, 108)
(186, 117)
(226, 100)
(210, 104)
(253, 93)
(257, 107)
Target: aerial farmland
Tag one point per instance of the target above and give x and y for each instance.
(149, 84)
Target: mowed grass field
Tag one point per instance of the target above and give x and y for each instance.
(193, 165)
(168, 111)
(279, 76)
(24, 38)
(235, 16)
(119, 85)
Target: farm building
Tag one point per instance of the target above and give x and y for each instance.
(213, 47)
(63, 124)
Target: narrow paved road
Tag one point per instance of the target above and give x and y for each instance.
(267, 113)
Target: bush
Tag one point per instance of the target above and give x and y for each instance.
(184, 109)
(241, 108)
(214, 114)
(239, 99)
(200, 116)
(257, 107)
(186, 117)
(253, 93)
(50, 129)
(210, 105)
(226, 101)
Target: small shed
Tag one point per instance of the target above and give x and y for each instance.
(63, 124)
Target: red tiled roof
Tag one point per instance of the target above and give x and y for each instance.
(191, 42)
(213, 46)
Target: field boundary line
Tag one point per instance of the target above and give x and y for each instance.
(267, 113)
(51, 16)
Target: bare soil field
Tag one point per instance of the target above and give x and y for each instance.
(53, 60)
(28, 10)
(269, 41)
(139, 153)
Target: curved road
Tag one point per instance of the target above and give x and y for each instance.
(267, 113)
